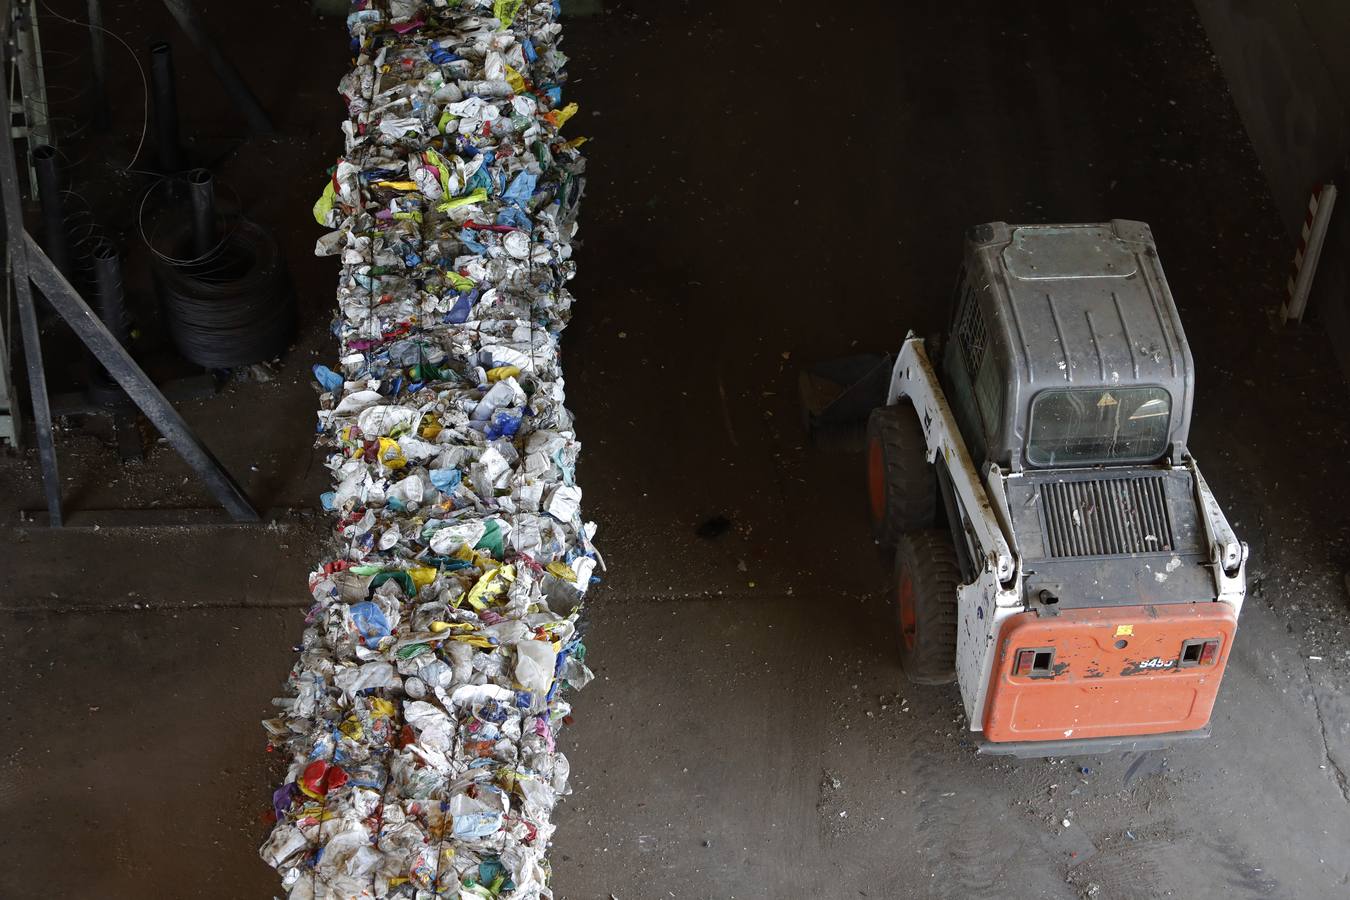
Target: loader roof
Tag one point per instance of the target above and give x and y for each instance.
(1077, 306)
(1088, 305)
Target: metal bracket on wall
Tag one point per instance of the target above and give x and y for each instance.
(1309, 253)
(23, 51)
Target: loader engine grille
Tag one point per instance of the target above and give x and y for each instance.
(1106, 517)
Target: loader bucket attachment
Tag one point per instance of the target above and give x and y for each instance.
(844, 391)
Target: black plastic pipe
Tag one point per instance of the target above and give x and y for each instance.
(166, 107)
(108, 304)
(98, 63)
(202, 196)
(108, 296)
(54, 238)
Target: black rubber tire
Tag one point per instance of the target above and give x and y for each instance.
(926, 561)
(901, 485)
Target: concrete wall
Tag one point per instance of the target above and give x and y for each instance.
(1289, 73)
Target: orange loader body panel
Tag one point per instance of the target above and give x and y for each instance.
(1116, 671)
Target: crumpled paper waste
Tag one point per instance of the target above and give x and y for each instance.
(422, 715)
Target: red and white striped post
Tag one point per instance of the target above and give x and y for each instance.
(1314, 234)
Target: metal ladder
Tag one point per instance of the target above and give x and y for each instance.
(22, 53)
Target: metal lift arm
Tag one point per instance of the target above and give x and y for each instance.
(1228, 555)
(913, 377)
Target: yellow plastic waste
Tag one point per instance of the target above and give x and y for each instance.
(502, 372)
(316, 811)
(442, 170)
(471, 556)
(462, 632)
(561, 570)
(391, 454)
(324, 205)
(477, 196)
(459, 282)
(505, 11)
(490, 586)
(559, 117)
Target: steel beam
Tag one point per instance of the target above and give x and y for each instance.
(28, 321)
(11, 422)
(229, 76)
(142, 391)
(32, 78)
(98, 67)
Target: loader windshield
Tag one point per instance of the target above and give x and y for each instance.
(1095, 426)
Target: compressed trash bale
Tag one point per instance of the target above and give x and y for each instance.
(421, 716)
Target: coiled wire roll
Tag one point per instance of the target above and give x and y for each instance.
(234, 306)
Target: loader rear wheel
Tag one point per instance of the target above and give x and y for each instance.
(926, 578)
(901, 485)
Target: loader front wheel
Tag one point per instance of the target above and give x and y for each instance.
(926, 578)
(901, 487)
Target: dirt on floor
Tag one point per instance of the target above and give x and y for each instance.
(770, 184)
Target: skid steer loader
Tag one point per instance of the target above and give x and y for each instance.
(1057, 552)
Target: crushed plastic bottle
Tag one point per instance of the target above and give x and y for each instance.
(421, 717)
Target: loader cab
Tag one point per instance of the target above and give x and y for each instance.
(1057, 551)
(1065, 349)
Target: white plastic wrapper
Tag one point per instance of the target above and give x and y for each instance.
(535, 662)
(421, 717)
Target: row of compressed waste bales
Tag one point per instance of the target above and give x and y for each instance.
(422, 714)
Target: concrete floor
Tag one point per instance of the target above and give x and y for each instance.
(771, 184)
